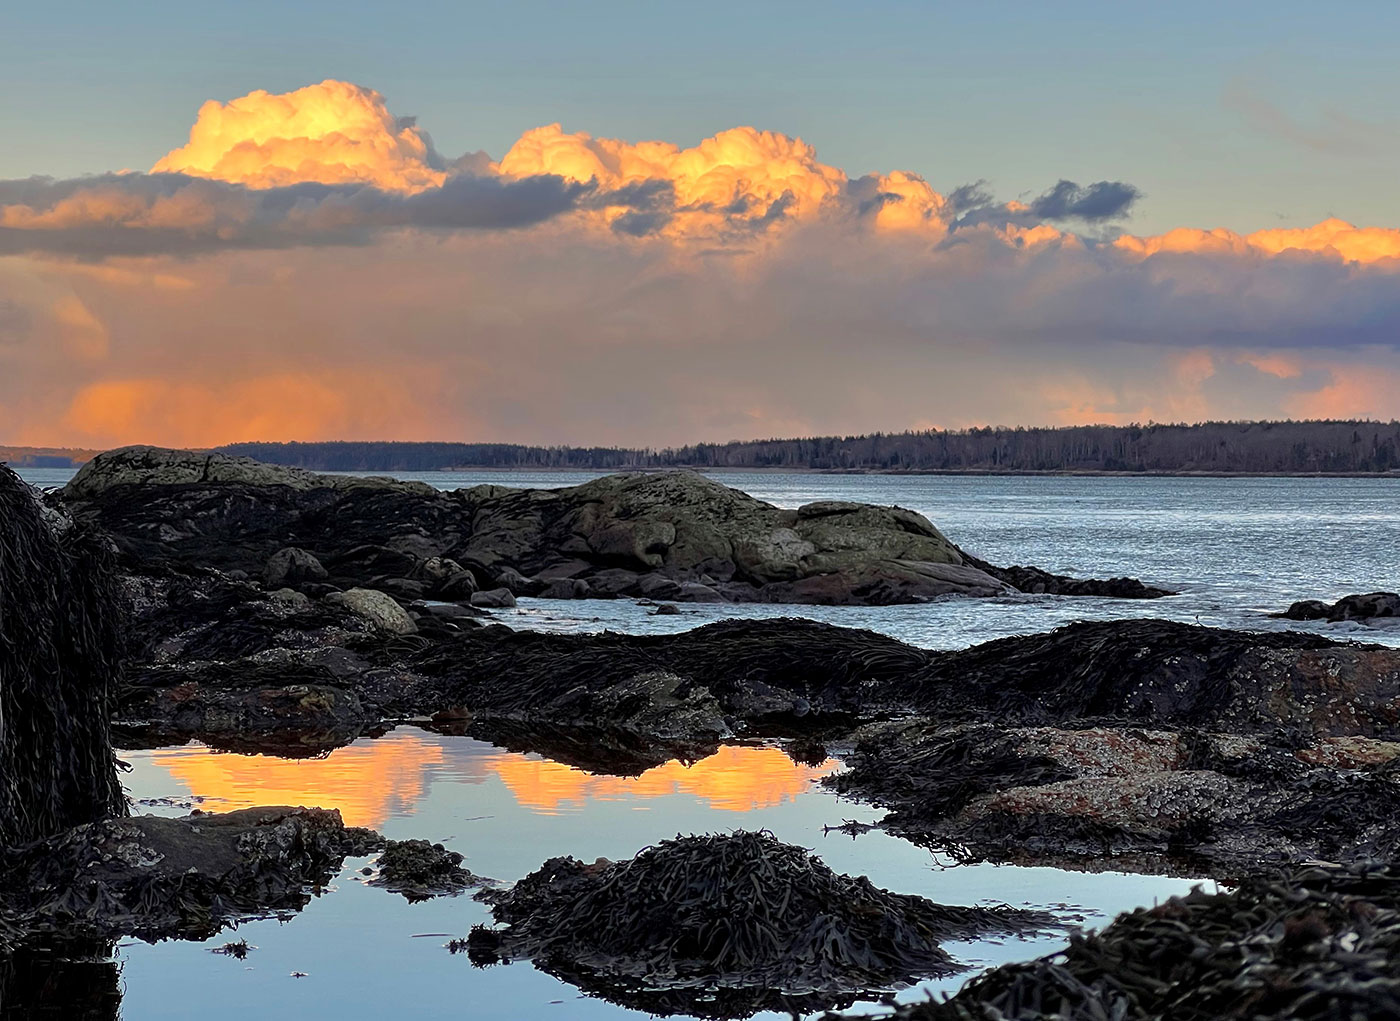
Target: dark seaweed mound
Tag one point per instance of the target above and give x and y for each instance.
(419, 870)
(1313, 944)
(724, 926)
(60, 620)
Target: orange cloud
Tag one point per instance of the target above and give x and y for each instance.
(1280, 366)
(1353, 392)
(283, 406)
(741, 175)
(1331, 237)
(735, 779)
(331, 133)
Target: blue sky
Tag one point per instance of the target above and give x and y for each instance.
(1243, 115)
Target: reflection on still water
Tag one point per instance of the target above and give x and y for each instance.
(374, 780)
(369, 781)
(736, 779)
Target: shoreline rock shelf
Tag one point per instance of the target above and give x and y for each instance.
(670, 536)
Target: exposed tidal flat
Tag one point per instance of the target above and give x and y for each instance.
(1236, 550)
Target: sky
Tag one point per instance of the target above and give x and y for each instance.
(652, 224)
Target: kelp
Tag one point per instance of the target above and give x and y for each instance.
(60, 655)
(1312, 943)
(724, 926)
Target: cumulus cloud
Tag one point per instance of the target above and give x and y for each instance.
(1334, 238)
(331, 133)
(308, 267)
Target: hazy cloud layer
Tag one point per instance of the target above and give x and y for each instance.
(307, 266)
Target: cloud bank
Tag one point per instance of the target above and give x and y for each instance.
(308, 266)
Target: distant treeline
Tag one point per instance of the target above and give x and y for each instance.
(1249, 447)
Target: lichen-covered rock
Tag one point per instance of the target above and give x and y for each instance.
(616, 536)
(162, 466)
(376, 607)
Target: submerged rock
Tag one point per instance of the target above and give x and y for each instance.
(725, 926)
(667, 535)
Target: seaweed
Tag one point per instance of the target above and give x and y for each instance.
(1311, 943)
(724, 926)
(61, 651)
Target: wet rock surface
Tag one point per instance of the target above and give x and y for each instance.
(1369, 606)
(1186, 802)
(158, 878)
(725, 926)
(673, 536)
(1307, 943)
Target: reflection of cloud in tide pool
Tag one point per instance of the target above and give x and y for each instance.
(372, 781)
(369, 781)
(735, 779)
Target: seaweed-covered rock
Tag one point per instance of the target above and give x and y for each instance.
(1309, 944)
(419, 869)
(61, 650)
(1156, 800)
(157, 878)
(728, 925)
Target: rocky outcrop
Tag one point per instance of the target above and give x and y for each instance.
(1355, 607)
(674, 536)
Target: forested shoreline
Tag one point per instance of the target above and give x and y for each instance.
(1263, 448)
(1342, 447)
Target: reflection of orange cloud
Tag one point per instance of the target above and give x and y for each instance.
(735, 779)
(331, 133)
(368, 782)
(1334, 237)
(284, 406)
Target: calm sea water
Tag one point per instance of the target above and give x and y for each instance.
(1236, 549)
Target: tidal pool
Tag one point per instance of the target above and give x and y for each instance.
(359, 952)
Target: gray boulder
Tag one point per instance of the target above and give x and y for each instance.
(377, 608)
(494, 599)
(291, 566)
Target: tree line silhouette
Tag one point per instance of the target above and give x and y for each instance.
(1249, 447)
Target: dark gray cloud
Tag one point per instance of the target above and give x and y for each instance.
(1102, 200)
(146, 214)
(973, 204)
